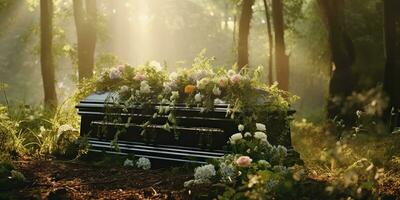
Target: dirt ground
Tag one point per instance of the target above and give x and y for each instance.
(56, 179)
(79, 180)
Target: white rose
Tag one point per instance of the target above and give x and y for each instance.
(197, 97)
(247, 134)
(261, 136)
(261, 127)
(241, 127)
(235, 137)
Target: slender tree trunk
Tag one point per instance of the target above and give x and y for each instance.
(46, 55)
(244, 30)
(85, 21)
(342, 55)
(270, 42)
(281, 59)
(392, 52)
(234, 32)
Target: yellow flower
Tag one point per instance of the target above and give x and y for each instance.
(189, 89)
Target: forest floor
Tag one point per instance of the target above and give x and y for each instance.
(58, 179)
(55, 179)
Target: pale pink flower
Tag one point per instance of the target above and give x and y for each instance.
(139, 77)
(236, 78)
(244, 161)
(222, 82)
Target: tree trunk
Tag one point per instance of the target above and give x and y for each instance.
(270, 42)
(392, 50)
(244, 30)
(281, 59)
(46, 55)
(85, 21)
(342, 55)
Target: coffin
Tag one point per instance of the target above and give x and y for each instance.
(197, 136)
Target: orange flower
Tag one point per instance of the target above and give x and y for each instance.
(189, 89)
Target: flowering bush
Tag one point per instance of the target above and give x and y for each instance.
(253, 170)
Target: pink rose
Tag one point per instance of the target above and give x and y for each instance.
(236, 78)
(244, 161)
(139, 77)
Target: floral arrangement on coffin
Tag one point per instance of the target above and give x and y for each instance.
(201, 85)
(254, 170)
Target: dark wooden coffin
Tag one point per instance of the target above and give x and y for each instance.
(198, 136)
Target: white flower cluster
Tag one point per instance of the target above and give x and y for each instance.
(144, 87)
(227, 172)
(202, 83)
(143, 163)
(128, 163)
(205, 172)
(156, 65)
(202, 175)
(259, 134)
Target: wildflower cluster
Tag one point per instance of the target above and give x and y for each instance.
(141, 163)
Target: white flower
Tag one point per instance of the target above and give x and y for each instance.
(157, 66)
(241, 127)
(197, 97)
(218, 101)
(205, 172)
(203, 83)
(247, 134)
(128, 163)
(261, 136)
(174, 95)
(115, 74)
(123, 89)
(173, 76)
(144, 87)
(231, 72)
(261, 127)
(216, 91)
(235, 137)
(143, 163)
(167, 87)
